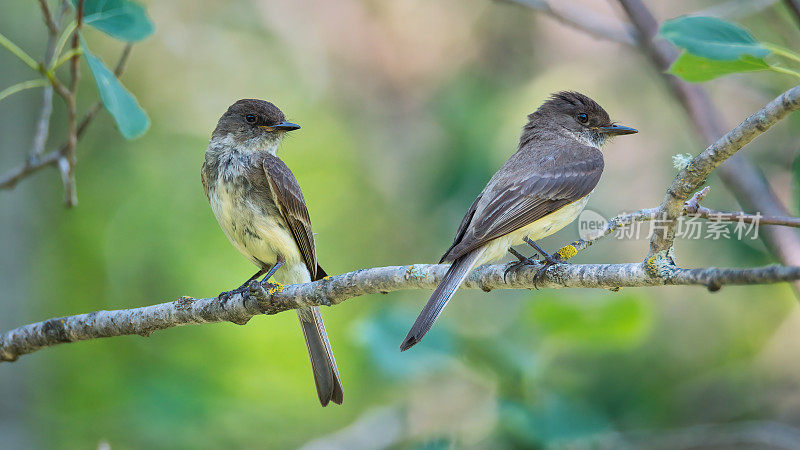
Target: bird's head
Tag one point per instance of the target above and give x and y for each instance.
(251, 125)
(578, 116)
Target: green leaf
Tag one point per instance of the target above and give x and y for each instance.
(697, 69)
(130, 117)
(711, 38)
(122, 19)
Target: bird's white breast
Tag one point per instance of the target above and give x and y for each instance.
(259, 237)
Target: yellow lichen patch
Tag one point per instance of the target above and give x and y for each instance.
(415, 272)
(275, 288)
(567, 252)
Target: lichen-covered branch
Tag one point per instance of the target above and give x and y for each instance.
(692, 177)
(738, 174)
(272, 299)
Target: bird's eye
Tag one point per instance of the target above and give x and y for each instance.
(250, 118)
(583, 118)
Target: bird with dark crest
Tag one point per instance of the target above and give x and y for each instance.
(260, 207)
(541, 189)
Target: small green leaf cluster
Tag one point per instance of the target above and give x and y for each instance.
(713, 47)
(126, 21)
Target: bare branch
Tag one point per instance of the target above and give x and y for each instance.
(273, 299)
(52, 28)
(594, 24)
(66, 164)
(613, 224)
(43, 124)
(693, 208)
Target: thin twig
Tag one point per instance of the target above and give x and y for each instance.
(692, 208)
(272, 299)
(43, 124)
(66, 164)
(48, 18)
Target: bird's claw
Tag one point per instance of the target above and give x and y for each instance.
(548, 262)
(225, 296)
(517, 264)
(264, 290)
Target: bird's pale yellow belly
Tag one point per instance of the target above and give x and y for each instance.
(539, 229)
(260, 238)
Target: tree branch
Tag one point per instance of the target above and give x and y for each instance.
(692, 208)
(272, 299)
(740, 176)
(66, 163)
(700, 167)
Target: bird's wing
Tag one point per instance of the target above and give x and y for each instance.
(289, 198)
(516, 201)
(462, 229)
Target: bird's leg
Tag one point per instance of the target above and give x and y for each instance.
(547, 257)
(549, 260)
(278, 264)
(257, 288)
(225, 296)
(519, 255)
(523, 260)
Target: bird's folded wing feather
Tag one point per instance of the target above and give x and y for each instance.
(290, 201)
(515, 202)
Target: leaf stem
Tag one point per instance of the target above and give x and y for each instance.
(64, 58)
(39, 82)
(784, 70)
(62, 39)
(19, 53)
(782, 51)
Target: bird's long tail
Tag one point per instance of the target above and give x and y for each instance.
(326, 375)
(441, 295)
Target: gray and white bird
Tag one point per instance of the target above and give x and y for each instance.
(541, 189)
(260, 207)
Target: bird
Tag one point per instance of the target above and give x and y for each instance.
(539, 190)
(258, 203)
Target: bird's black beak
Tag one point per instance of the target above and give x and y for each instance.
(286, 126)
(616, 130)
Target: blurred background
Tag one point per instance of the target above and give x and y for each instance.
(407, 108)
